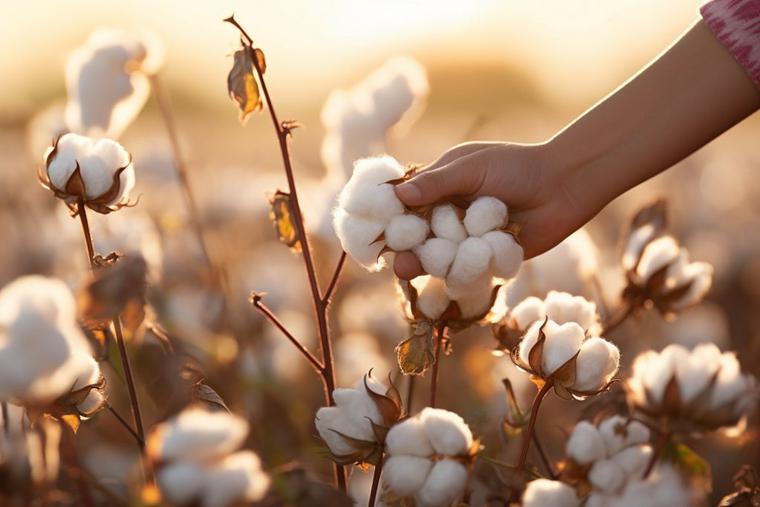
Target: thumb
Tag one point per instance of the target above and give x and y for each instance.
(462, 176)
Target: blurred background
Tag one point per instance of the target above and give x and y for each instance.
(494, 69)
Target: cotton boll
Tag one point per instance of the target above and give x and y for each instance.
(180, 483)
(637, 240)
(409, 438)
(697, 275)
(476, 303)
(376, 201)
(446, 223)
(544, 493)
(472, 260)
(485, 214)
(357, 236)
(633, 460)
(448, 433)
(507, 254)
(238, 477)
(197, 434)
(657, 254)
(436, 256)
(562, 307)
(607, 476)
(528, 311)
(68, 149)
(695, 370)
(562, 343)
(405, 232)
(597, 363)
(614, 431)
(405, 475)
(730, 384)
(585, 444)
(445, 482)
(432, 299)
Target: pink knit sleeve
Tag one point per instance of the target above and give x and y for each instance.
(736, 24)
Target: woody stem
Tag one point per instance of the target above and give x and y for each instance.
(125, 424)
(375, 481)
(6, 422)
(320, 302)
(527, 435)
(440, 330)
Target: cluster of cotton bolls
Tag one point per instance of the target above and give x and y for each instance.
(560, 307)
(568, 358)
(463, 250)
(43, 353)
(99, 172)
(107, 81)
(198, 462)
(429, 457)
(702, 388)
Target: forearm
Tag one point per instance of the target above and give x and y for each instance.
(688, 96)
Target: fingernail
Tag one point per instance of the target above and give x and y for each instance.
(408, 192)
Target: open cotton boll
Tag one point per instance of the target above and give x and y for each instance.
(436, 256)
(562, 307)
(446, 223)
(633, 460)
(695, 370)
(657, 254)
(405, 475)
(409, 438)
(376, 201)
(731, 386)
(597, 363)
(238, 477)
(697, 275)
(562, 343)
(472, 260)
(545, 492)
(637, 240)
(405, 232)
(197, 434)
(507, 254)
(432, 299)
(357, 236)
(447, 431)
(528, 311)
(607, 476)
(485, 214)
(445, 482)
(180, 483)
(475, 303)
(585, 444)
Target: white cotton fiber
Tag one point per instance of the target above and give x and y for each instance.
(445, 482)
(447, 431)
(436, 256)
(633, 460)
(545, 493)
(597, 363)
(432, 299)
(507, 254)
(357, 235)
(657, 254)
(475, 304)
(607, 476)
(405, 475)
(409, 438)
(562, 343)
(528, 311)
(405, 232)
(446, 223)
(585, 444)
(485, 214)
(472, 260)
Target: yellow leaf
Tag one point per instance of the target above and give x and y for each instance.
(281, 214)
(72, 421)
(415, 354)
(241, 83)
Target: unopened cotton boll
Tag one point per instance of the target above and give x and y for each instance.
(358, 236)
(545, 492)
(586, 444)
(472, 260)
(507, 254)
(485, 214)
(445, 223)
(99, 172)
(445, 482)
(405, 232)
(436, 256)
(596, 364)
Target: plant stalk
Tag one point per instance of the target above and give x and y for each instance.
(375, 481)
(527, 435)
(440, 330)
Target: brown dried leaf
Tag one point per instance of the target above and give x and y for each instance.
(281, 214)
(261, 62)
(415, 354)
(205, 394)
(241, 84)
(114, 288)
(389, 409)
(536, 354)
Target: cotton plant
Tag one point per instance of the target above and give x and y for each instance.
(107, 81)
(355, 428)
(197, 460)
(96, 173)
(429, 458)
(702, 389)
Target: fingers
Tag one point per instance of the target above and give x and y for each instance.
(461, 150)
(407, 266)
(462, 176)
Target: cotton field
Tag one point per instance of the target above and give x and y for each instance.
(329, 293)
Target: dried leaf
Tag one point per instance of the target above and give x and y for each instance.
(241, 84)
(536, 353)
(281, 214)
(415, 354)
(261, 62)
(389, 409)
(204, 393)
(72, 421)
(114, 288)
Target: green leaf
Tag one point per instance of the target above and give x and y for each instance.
(691, 464)
(415, 354)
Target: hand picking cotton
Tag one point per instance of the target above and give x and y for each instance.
(468, 249)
